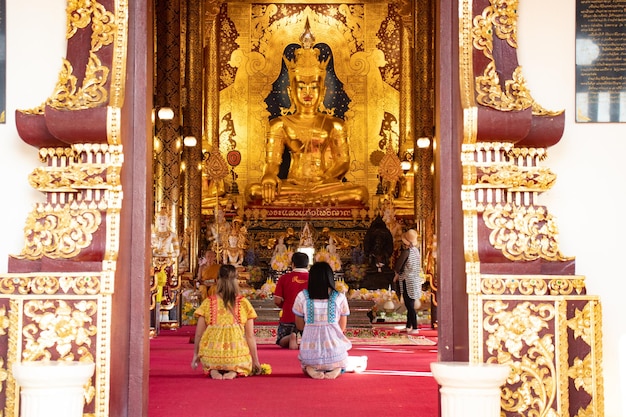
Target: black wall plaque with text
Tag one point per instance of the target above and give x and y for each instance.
(600, 61)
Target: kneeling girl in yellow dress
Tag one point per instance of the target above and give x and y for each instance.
(224, 343)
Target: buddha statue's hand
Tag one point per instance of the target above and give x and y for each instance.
(270, 188)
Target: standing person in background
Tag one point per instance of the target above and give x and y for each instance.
(224, 342)
(287, 288)
(408, 275)
(322, 315)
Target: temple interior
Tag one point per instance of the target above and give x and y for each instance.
(315, 102)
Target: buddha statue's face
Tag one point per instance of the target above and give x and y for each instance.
(307, 91)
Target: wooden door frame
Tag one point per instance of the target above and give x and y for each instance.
(130, 329)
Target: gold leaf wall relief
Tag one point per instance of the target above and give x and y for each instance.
(523, 233)
(59, 233)
(519, 334)
(69, 178)
(580, 323)
(582, 374)
(58, 329)
(500, 19)
(513, 176)
(103, 26)
(78, 16)
(93, 93)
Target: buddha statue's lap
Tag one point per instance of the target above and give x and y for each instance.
(317, 143)
(333, 194)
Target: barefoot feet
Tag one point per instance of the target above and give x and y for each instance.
(332, 374)
(314, 373)
(230, 375)
(293, 341)
(215, 374)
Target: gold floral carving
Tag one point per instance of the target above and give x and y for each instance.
(59, 325)
(581, 372)
(50, 284)
(346, 19)
(505, 20)
(81, 13)
(68, 95)
(523, 233)
(580, 324)
(4, 328)
(518, 337)
(103, 27)
(514, 97)
(532, 285)
(9, 326)
(513, 176)
(68, 179)
(92, 93)
(60, 231)
(36, 110)
(78, 16)
(501, 18)
(517, 152)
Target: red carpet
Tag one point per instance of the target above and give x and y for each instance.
(397, 382)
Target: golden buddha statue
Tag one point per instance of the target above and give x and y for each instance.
(317, 143)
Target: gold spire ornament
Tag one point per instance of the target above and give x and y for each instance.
(306, 61)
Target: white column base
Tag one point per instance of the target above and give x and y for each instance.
(52, 388)
(470, 390)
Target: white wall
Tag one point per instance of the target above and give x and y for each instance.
(587, 199)
(35, 48)
(588, 160)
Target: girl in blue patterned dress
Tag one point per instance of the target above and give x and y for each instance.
(322, 314)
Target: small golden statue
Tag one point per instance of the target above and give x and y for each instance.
(235, 244)
(317, 142)
(164, 240)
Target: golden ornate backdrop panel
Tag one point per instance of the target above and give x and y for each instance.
(365, 42)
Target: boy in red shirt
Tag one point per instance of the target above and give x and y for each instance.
(287, 287)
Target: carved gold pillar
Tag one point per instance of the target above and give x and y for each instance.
(164, 280)
(167, 141)
(210, 135)
(191, 55)
(423, 106)
(210, 108)
(406, 141)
